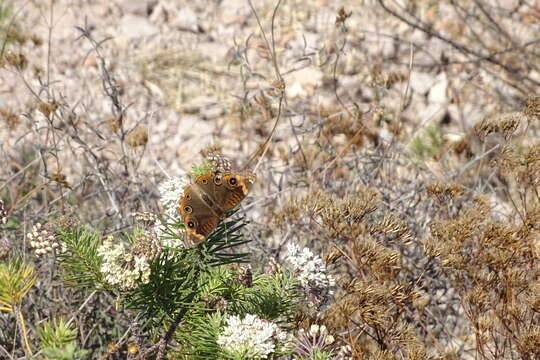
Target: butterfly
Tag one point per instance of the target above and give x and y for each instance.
(205, 203)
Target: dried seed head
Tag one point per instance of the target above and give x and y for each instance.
(532, 165)
(36, 40)
(112, 124)
(211, 150)
(342, 16)
(15, 35)
(214, 156)
(391, 228)
(218, 303)
(245, 276)
(147, 245)
(463, 146)
(48, 108)
(444, 192)
(147, 219)
(333, 256)
(520, 164)
(505, 124)
(532, 107)
(11, 119)
(17, 60)
(137, 137)
(533, 298)
(277, 88)
(60, 179)
(530, 342)
(67, 221)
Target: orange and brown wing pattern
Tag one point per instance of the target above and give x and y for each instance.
(238, 187)
(198, 229)
(198, 217)
(205, 203)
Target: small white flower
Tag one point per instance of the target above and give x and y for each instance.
(42, 240)
(171, 190)
(314, 330)
(329, 340)
(250, 337)
(120, 267)
(311, 272)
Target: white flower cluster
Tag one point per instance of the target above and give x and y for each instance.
(311, 268)
(250, 337)
(120, 267)
(42, 239)
(311, 272)
(171, 190)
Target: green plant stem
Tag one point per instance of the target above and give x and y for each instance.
(22, 330)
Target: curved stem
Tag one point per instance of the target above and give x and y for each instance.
(22, 330)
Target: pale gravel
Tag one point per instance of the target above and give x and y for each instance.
(185, 107)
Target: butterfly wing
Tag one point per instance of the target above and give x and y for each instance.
(197, 215)
(210, 189)
(204, 204)
(238, 186)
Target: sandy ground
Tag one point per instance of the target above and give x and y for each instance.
(191, 74)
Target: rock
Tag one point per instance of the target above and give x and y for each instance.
(212, 112)
(186, 19)
(233, 10)
(437, 93)
(303, 82)
(134, 26)
(90, 61)
(421, 82)
(296, 90)
(214, 51)
(207, 107)
(139, 7)
(433, 112)
(192, 129)
(197, 104)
